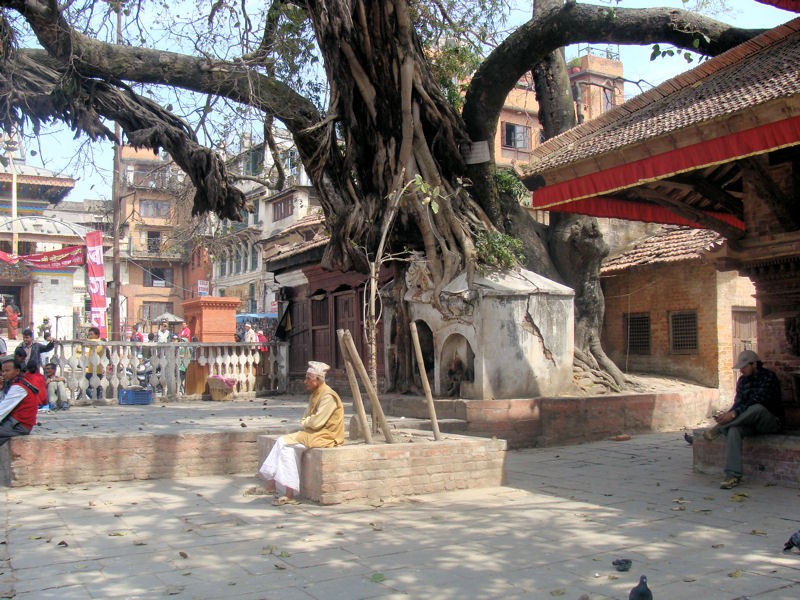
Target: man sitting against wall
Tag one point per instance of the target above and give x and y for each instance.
(757, 409)
(57, 394)
(323, 427)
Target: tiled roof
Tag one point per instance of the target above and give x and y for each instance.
(759, 71)
(314, 217)
(278, 251)
(671, 244)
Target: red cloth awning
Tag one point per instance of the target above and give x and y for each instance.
(605, 206)
(724, 148)
(792, 5)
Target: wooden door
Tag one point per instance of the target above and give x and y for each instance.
(346, 317)
(744, 331)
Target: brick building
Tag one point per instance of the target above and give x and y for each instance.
(669, 311)
(150, 241)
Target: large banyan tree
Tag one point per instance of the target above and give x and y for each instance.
(386, 115)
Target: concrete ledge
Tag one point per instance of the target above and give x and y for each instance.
(773, 459)
(416, 464)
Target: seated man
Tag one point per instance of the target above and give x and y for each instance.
(18, 403)
(57, 394)
(757, 409)
(323, 427)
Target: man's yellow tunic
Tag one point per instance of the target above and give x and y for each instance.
(323, 421)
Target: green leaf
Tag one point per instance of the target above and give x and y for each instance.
(435, 207)
(377, 577)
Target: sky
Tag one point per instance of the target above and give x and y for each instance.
(58, 152)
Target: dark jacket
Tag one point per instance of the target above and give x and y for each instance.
(762, 387)
(37, 349)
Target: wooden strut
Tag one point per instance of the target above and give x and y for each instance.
(377, 410)
(425, 385)
(351, 378)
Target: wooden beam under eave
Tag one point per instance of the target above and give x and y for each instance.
(710, 191)
(700, 217)
(783, 208)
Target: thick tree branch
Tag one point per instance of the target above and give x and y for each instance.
(570, 24)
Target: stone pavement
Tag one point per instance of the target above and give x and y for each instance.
(565, 514)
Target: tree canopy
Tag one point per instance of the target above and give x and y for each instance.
(370, 91)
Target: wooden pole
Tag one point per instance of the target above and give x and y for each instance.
(377, 411)
(425, 385)
(351, 378)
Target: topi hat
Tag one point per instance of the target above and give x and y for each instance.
(745, 358)
(318, 369)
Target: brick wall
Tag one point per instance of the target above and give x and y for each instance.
(733, 292)
(775, 286)
(770, 459)
(657, 290)
(43, 460)
(544, 421)
(774, 349)
(415, 465)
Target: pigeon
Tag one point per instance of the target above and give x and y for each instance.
(793, 542)
(689, 438)
(641, 591)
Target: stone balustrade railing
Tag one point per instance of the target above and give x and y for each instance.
(95, 372)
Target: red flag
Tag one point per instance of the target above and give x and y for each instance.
(97, 280)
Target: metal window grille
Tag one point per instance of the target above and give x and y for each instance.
(683, 332)
(637, 333)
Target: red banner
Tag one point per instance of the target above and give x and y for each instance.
(97, 280)
(53, 260)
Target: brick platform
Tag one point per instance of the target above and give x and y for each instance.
(33, 460)
(416, 464)
(773, 459)
(542, 422)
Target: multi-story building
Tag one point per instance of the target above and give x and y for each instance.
(237, 248)
(155, 249)
(596, 77)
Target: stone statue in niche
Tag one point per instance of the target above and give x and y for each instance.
(457, 372)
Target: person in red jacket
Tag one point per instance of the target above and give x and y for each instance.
(18, 402)
(31, 374)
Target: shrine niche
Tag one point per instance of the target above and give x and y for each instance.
(509, 335)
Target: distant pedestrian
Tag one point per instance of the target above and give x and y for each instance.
(137, 335)
(164, 334)
(185, 332)
(249, 334)
(46, 356)
(33, 350)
